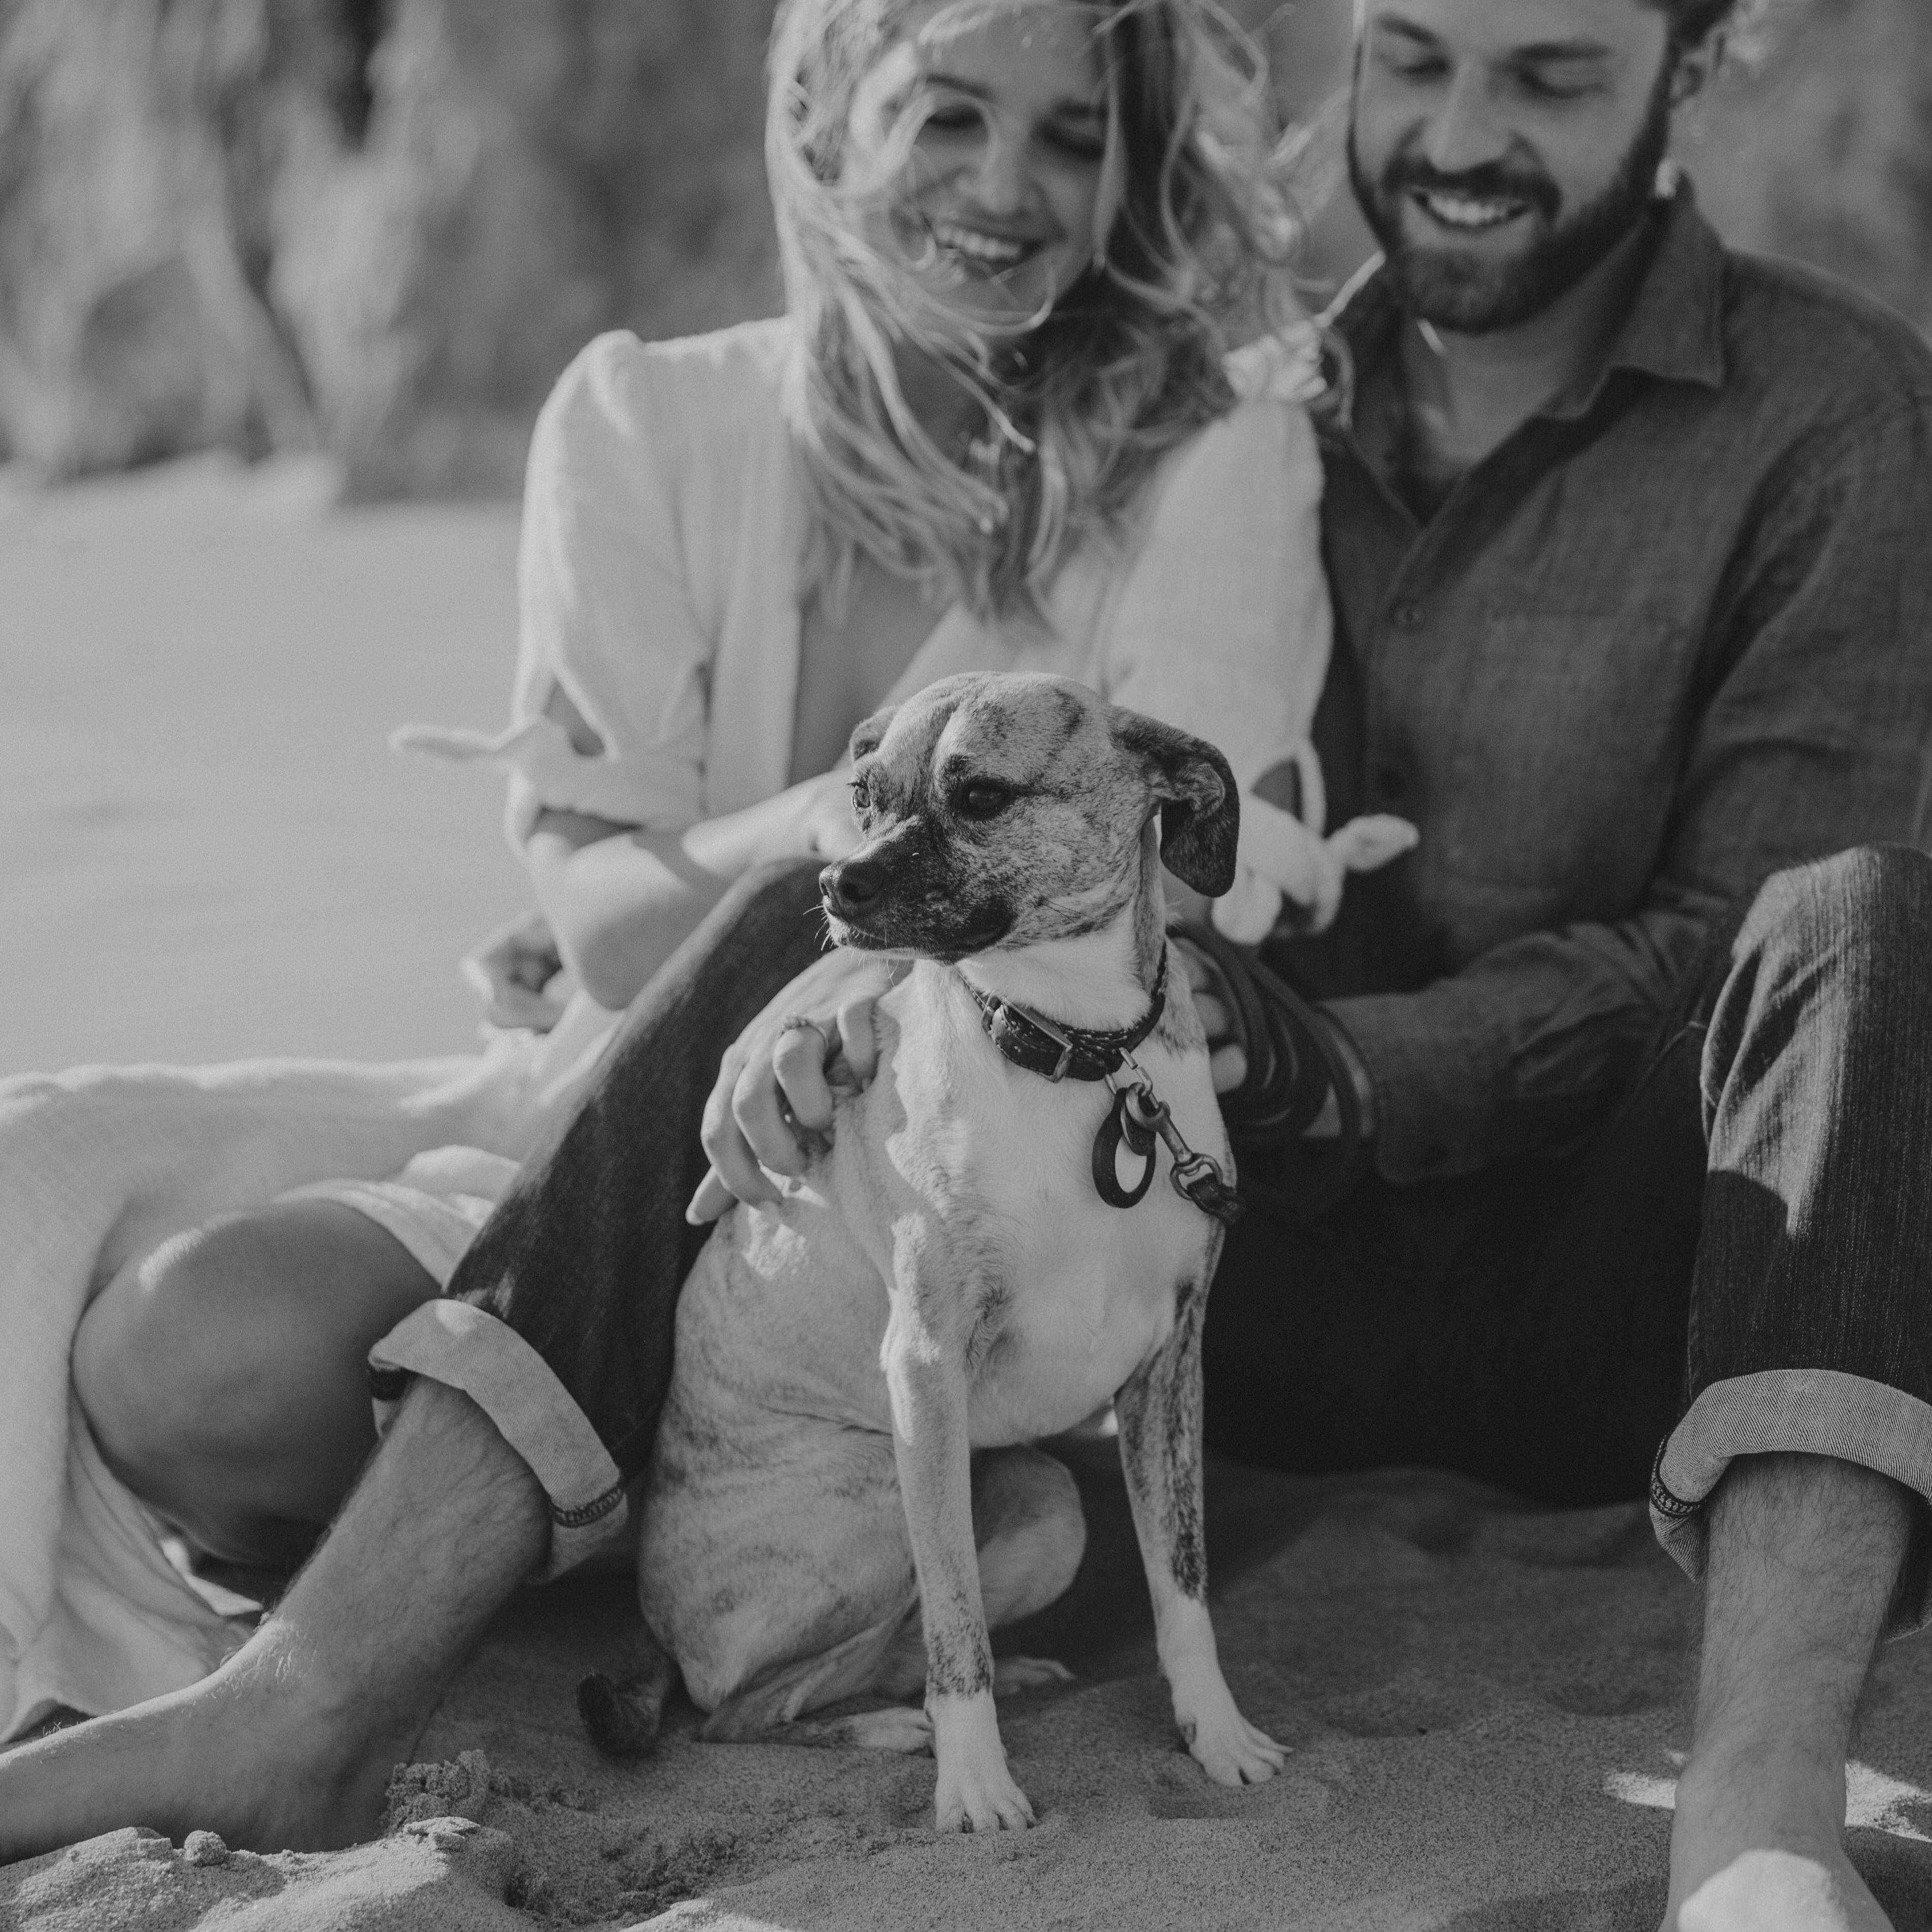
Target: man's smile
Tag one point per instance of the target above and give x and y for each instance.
(1467, 213)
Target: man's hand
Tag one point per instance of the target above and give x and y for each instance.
(1226, 1060)
(775, 1085)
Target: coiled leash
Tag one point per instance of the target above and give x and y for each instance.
(1138, 1115)
(1294, 1065)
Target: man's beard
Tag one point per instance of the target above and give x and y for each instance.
(1455, 289)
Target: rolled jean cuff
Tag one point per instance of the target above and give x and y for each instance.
(1794, 1412)
(457, 1343)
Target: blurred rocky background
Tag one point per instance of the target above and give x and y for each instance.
(375, 229)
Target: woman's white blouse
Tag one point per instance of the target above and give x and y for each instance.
(663, 548)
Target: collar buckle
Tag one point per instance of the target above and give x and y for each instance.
(1041, 1023)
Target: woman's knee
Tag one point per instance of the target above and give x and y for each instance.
(239, 1337)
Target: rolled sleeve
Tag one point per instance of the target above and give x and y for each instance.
(606, 612)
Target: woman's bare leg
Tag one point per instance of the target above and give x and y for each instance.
(224, 1375)
(290, 1743)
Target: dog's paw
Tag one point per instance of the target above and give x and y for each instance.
(1027, 1673)
(982, 1797)
(1234, 1751)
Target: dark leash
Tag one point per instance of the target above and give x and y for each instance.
(1294, 1065)
(1139, 1116)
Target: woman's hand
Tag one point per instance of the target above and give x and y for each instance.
(513, 971)
(777, 1083)
(1284, 863)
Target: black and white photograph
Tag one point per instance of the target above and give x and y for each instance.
(966, 964)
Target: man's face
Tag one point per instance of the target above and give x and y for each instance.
(1500, 148)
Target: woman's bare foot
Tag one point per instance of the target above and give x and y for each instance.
(290, 1744)
(1758, 1847)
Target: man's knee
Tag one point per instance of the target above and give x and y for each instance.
(1865, 888)
(1870, 903)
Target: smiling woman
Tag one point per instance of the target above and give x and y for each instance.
(1019, 242)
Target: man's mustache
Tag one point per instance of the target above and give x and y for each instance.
(1492, 181)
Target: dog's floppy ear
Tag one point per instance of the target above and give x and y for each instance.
(1200, 807)
(869, 733)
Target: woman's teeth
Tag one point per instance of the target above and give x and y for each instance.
(993, 251)
(1470, 213)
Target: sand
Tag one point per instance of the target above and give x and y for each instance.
(206, 851)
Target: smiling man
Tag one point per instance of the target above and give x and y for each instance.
(1627, 535)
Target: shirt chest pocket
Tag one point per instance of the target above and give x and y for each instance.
(1564, 737)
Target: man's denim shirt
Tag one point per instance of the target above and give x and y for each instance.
(1674, 634)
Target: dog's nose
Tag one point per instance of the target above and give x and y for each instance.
(851, 885)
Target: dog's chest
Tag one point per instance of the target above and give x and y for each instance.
(1067, 1295)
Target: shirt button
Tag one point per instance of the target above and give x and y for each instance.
(1409, 616)
(1391, 780)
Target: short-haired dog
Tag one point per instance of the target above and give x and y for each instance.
(842, 1499)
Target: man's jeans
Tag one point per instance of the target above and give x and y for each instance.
(1738, 1264)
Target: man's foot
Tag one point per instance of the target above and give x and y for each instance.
(290, 1744)
(1804, 1555)
(1758, 1847)
(258, 1752)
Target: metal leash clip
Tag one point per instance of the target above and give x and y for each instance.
(1139, 1114)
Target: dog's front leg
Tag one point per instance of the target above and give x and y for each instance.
(1159, 1415)
(925, 1356)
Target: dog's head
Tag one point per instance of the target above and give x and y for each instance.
(1006, 811)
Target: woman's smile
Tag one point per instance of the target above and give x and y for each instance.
(984, 247)
(1001, 190)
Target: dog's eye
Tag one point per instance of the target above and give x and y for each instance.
(862, 796)
(981, 799)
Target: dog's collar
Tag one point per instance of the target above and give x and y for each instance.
(1040, 1045)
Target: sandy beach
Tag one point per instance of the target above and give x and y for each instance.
(206, 852)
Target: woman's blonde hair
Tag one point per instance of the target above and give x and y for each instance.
(1198, 222)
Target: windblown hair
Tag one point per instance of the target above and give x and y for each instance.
(1198, 223)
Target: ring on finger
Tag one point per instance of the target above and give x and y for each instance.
(798, 1023)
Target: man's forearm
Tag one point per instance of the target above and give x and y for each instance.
(1518, 1054)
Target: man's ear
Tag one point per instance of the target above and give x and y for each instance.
(1693, 68)
(869, 733)
(1200, 808)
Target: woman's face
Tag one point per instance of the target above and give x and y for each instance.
(996, 210)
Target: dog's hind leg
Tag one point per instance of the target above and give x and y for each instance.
(773, 1708)
(1030, 1534)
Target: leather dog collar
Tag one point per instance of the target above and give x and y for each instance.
(1039, 1045)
